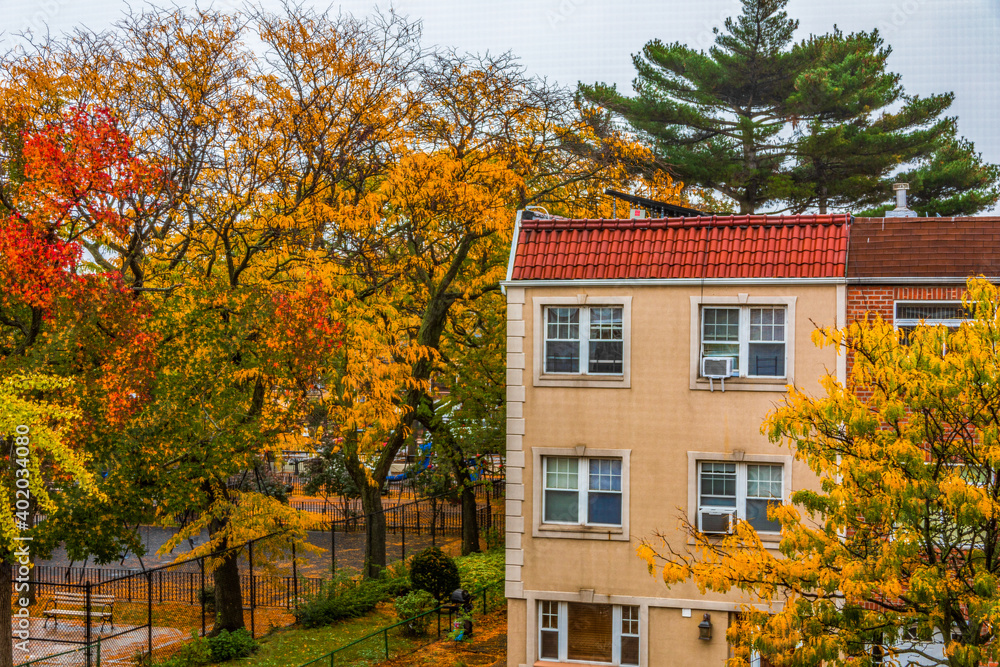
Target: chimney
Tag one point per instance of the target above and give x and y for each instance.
(901, 211)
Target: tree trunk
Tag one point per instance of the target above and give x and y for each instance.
(6, 643)
(228, 595)
(371, 505)
(470, 522)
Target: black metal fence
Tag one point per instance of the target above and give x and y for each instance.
(134, 613)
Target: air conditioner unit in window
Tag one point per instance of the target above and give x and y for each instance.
(718, 521)
(717, 368)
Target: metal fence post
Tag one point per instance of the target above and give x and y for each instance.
(149, 614)
(295, 579)
(385, 637)
(253, 601)
(201, 595)
(87, 609)
(403, 532)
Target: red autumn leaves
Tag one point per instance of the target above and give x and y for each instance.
(77, 177)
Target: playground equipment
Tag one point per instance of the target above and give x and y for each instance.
(424, 449)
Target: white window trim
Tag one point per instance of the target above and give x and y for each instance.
(582, 492)
(743, 383)
(727, 457)
(577, 531)
(543, 379)
(563, 629)
(532, 620)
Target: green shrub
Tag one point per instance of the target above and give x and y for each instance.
(435, 572)
(413, 604)
(194, 653)
(230, 645)
(346, 598)
(481, 569)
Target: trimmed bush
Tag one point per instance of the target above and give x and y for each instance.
(231, 645)
(435, 572)
(412, 604)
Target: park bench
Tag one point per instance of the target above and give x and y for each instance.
(74, 605)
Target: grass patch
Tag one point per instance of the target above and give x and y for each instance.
(294, 646)
(290, 647)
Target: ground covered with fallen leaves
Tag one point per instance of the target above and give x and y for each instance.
(486, 648)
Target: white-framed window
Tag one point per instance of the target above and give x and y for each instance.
(908, 315)
(951, 314)
(752, 336)
(581, 341)
(729, 490)
(601, 634)
(582, 491)
(584, 340)
(756, 334)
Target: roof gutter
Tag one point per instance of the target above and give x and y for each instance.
(643, 282)
(915, 280)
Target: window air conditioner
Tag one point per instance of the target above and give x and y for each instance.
(717, 368)
(718, 521)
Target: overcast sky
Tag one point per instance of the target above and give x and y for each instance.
(938, 45)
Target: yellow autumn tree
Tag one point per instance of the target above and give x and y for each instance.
(222, 255)
(894, 557)
(429, 243)
(35, 457)
(331, 215)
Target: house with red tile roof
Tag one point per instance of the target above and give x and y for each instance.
(642, 357)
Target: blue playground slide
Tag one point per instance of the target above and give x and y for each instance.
(425, 449)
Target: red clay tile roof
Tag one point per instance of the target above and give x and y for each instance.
(755, 246)
(924, 247)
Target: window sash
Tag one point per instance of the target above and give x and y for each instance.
(609, 634)
(757, 486)
(562, 339)
(755, 337)
(582, 490)
(593, 344)
(949, 313)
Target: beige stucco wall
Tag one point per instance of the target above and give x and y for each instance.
(516, 633)
(659, 419)
(673, 638)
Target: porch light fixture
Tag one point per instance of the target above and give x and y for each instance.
(705, 628)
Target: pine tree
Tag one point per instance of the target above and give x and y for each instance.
(791, 126)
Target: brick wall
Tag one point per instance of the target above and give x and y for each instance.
(879, 299)
(870, 300)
